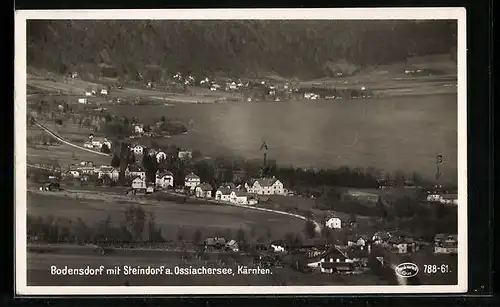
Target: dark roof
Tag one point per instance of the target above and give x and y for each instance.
(191, 176)
(443, 236)
(135, 168)
(213, 241)
(229, 185)
(241, 193)
(164, 173)
(265, 182)
(224, 190)
(205, 187)
(357, 253)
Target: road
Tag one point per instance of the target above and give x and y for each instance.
(56, 136)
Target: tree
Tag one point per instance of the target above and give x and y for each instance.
(180, 234)
(269, 234)
(134, 221)
(197, 236)
(115, 162)
(240, 236)
(310, 230)
(163, 119)
(105, 149)
(196, 155)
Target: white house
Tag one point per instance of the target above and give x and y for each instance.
(334, 223)
(214, 87)
(82, 100)
(446, 244)
(433, 198)
(242, 198)
(74, 173)
(265, 186)
(99, 142)
(223, 193)
(138, 183)
(185, 155)
(164, 179)
(330, 262)
(160, 155)
(104, 91)
(136, 171)
(191, 181)
(88, 93)
(137, 149)
(203, 190)
(139, 128)
(278, 246)
(108, 171)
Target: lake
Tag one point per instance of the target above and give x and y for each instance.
(396, 133)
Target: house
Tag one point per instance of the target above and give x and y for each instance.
(358, 255)
(381, 237)
(232, 245)
(223, 194)
(330, 261)
(446, 244)
(138, 183)
(164, 179)
(135, 171)
(74, 173)
(242, 198)
(278, 246)
(139, 128)
(334, 223)
(433, 198)
(185, 155)
(104, 92)
(402, 245)
(265, 186)
(88, 145)
(229, 185)
(137, 149)
(191, 181)
(449, 199)
(359, 240)
(215, 243)
(86, 169)
(160, 155)
(214, 87)
(203, 190)
(108, 171)
(82, 100)
(99, 142)
(88, 93)
(150, 188)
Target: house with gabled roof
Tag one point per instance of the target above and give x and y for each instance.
(242, 198)
(139, 183)
(203, 190)
(191, 180)
(164, 179)
(108, 171)
(223, 193)
(265, 186)
(136, 170)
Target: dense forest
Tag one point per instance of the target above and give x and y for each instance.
(299, 49)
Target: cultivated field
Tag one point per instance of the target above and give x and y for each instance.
(94, 207)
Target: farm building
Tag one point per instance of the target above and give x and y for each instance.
(165, 179)
(191, 181)
(223, 193)
(203, 190)
(265, 186)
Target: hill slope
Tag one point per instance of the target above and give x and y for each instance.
(300, 48)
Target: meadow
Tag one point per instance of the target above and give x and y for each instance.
(173, 218)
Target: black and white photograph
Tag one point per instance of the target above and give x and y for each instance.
(241, 151)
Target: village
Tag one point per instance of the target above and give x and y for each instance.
(336, 241)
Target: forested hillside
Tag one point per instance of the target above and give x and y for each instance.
(301, 49)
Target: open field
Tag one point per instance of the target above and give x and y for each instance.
(210, 218)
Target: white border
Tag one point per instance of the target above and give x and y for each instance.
(184, 14)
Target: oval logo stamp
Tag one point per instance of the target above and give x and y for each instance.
(406, 270)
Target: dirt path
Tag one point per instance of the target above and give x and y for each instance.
(54, 135)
